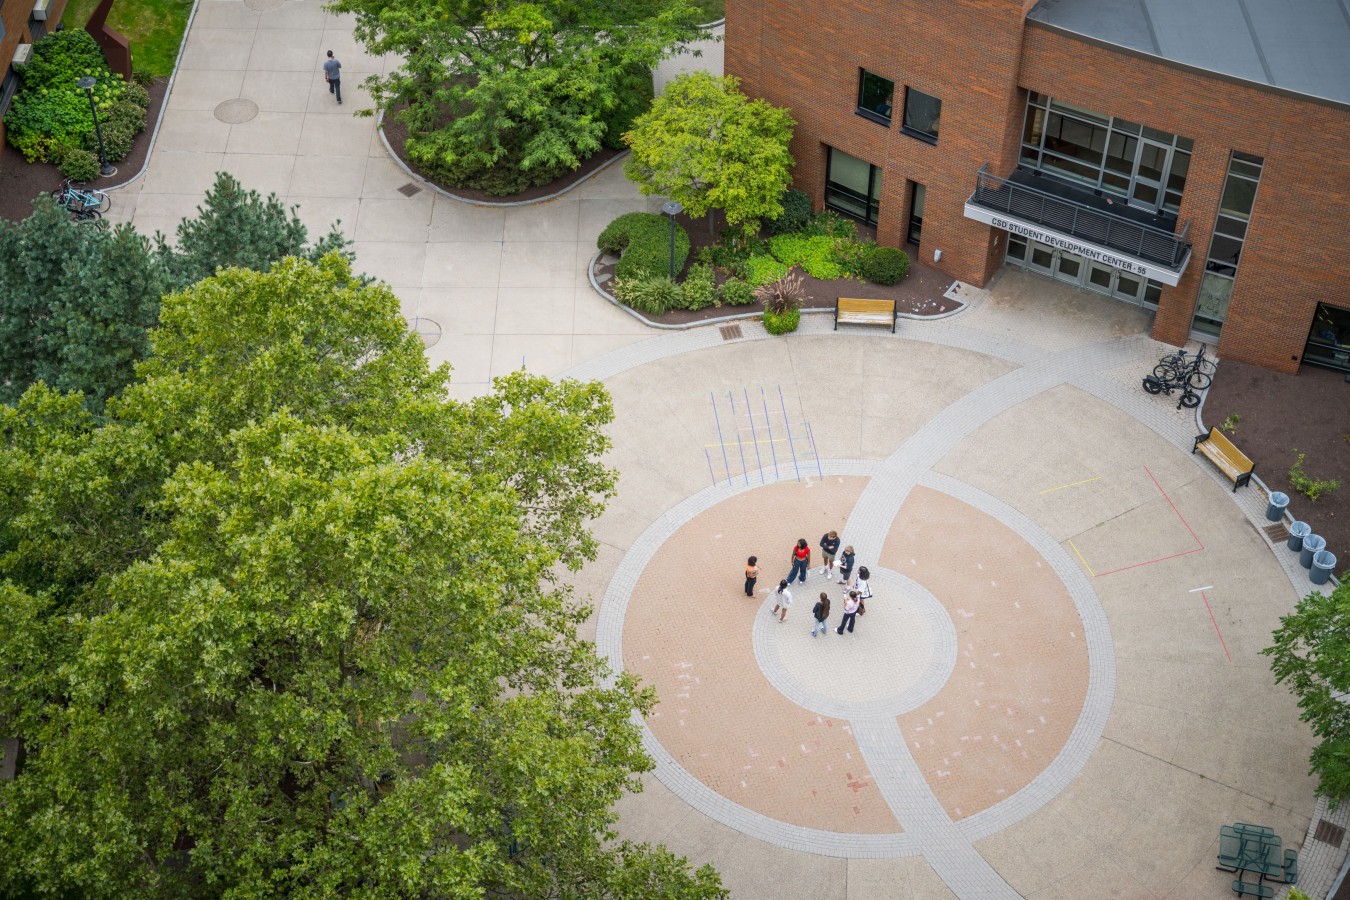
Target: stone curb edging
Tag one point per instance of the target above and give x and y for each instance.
(429, 185)
(814, 310)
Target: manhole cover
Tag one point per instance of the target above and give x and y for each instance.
(426, 329)
(236, 112)
(264, 5)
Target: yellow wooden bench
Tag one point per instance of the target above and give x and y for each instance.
(1230, 460)
(853, 311)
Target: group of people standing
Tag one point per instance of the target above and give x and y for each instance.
(857, 591)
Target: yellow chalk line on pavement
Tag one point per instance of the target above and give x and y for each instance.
(1075, 484)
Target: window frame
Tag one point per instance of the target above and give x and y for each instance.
(912, 131)
(871, 114)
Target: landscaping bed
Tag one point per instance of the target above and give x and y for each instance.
(1282, 415)
(396, 133)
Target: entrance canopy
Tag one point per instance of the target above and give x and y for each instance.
(1104, 237)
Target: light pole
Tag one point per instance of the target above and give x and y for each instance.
(672, 208)
(86, 84)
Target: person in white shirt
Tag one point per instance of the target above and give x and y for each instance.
(850, 613)
(782, 599)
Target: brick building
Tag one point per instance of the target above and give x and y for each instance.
(1189, 156)
(21, 23)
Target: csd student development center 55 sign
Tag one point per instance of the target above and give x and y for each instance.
(1106, 257)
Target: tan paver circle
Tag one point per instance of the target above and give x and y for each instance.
(236, 112)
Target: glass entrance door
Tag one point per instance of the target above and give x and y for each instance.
(1150, 170)
(1041, 259)
(1068, 267)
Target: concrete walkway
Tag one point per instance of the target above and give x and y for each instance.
(1057, 691)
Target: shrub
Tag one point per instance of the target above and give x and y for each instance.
(817, 254)
(762, 270)
(700, 287)
(783, 295)
(117, 138)
(136, 94)
(437, 155)
(830, 223)
(1310, 487)
(796, 212)
(653, 295)
(144, 78)
(49, 114)
(643, 239)
(885, 265)
(781, 323)
(735, 292)
(80, 165)
(126, 114)
(853, 255)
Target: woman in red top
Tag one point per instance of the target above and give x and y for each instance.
(801, 561)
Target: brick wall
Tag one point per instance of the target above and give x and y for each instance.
(1297, 249)
(977, 56)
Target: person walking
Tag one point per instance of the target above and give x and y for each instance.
(822, 615)
(782, 599)
(850, 613)
(332, 73)
(751, 575)
(846, 565)
(829, 546)
(861, 586)
(801, 561)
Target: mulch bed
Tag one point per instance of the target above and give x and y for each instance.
(919, 293)
(21, 181)
(1279, 413)
(397, 135)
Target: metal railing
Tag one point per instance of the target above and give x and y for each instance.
(1081, 221)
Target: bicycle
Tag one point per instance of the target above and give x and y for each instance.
(1197, 371)
(1156, 384)
(76, 200)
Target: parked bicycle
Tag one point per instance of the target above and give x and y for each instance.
(1196, 371)
(77, 200)
(1170, 381)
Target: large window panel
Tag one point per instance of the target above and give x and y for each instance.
(1239, 195)
(853, 186)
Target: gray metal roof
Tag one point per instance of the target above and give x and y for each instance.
(1301, 46)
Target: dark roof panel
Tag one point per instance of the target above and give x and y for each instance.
(1295, 45)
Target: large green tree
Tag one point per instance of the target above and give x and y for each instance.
(500, 96)
(76, 303)
(286, 622)
(706, 145)
(1312, 653)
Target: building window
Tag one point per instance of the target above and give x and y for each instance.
(1140, 165)
(1329, 341)
(874, 97)
(7, 89)
(1225, 244)
(853, 186)
(916, 198)
(922, 114)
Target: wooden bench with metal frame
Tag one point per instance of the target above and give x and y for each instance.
(1230, 460)
(854, 311)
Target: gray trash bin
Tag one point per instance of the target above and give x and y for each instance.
(1297, 532)
(1311, 544)
(1323, 562)
(1279, 502)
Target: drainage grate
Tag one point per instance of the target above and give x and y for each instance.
(1277, 533)
(1328, 833)
(409, 189)
(731, 332)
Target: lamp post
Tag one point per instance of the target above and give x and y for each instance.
(86, 84)
(672, 208)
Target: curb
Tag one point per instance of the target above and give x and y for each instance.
(814, 310)
(379, 128)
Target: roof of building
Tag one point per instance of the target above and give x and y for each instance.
(1302, 46)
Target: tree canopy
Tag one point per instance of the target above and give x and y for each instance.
(705, 144)
(285, 622)
(76, 303)
(1312, 653)
(502, 96)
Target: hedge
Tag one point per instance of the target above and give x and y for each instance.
(885, 265)
(643, 239)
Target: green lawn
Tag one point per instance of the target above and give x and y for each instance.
(154, 28)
